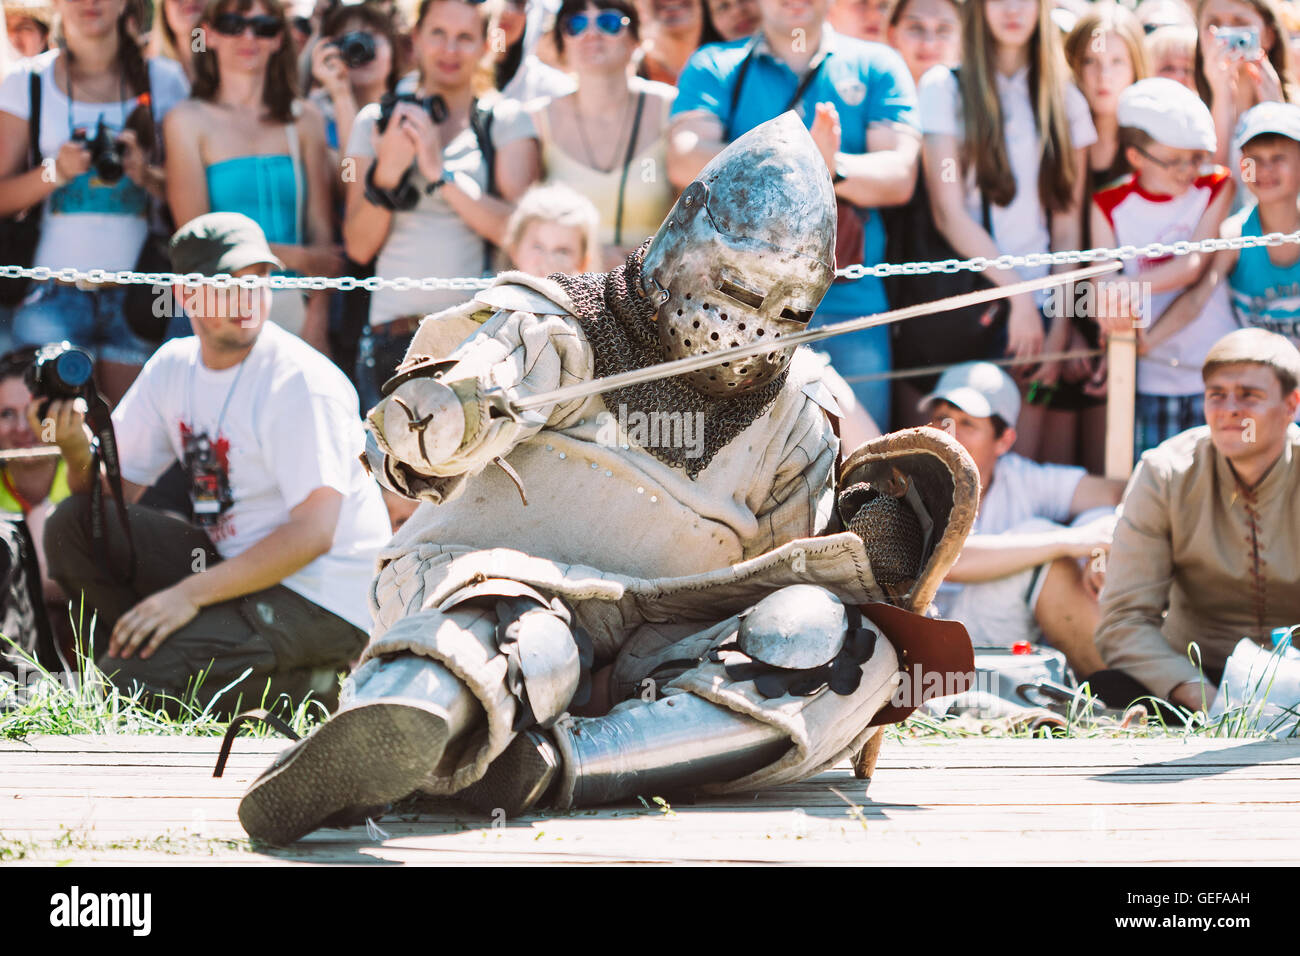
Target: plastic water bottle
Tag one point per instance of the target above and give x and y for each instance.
(1282, 642)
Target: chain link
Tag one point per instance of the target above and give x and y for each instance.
(1031, 260)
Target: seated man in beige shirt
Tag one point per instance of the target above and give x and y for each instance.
(1207, 531)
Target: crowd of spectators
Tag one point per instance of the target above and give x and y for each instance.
(460, 139)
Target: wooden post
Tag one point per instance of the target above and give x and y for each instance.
(1121, 396)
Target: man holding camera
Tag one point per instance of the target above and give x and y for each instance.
(266, 587)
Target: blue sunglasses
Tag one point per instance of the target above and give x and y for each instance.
(609, 22)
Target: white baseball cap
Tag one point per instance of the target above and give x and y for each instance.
(1280, 118)
(1169, 113)
(977, 388)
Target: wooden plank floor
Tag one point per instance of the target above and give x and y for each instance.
(153, 800)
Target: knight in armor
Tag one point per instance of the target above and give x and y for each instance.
(680, 539)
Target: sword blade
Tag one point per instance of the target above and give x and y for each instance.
(691, 363)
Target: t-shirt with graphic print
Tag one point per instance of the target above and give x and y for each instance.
(278, 426)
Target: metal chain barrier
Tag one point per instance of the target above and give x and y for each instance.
(466, 284)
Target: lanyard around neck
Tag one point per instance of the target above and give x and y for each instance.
(72, 100)
(194, 374)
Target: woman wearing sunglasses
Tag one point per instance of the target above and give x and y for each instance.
(93, 216)
(245, 143)
(607, 140)
(420, 198)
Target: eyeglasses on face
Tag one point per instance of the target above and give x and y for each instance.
(609, 22)
(234, 24)
(1192, 163)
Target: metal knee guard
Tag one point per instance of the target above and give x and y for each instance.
(549, 661)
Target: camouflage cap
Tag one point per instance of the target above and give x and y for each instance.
(220, 242)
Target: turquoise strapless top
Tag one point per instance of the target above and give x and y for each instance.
(260, 187)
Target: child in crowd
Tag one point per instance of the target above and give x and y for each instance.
(1168, 137)
(1172, 52)
(1107, 55)
(553, 229)
(1264, 282)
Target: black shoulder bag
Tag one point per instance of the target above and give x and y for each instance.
(139, 305)
(480, 121)
(946, 337)
(20, 232)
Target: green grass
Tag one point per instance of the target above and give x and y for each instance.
(1087, 718)
(87, 702)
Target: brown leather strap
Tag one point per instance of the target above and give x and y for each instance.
(936, 657)
(228, 740)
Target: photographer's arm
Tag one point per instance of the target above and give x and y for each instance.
(365, 225)
(64, 424)
(307, 535)
(20, 190)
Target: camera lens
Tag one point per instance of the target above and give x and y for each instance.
(356, 48)
(74, 369)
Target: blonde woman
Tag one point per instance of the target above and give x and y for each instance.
(175, 31)
(1018, 131)
(1107, 54)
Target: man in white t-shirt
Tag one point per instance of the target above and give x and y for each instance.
(273, 572)
(1019, 574)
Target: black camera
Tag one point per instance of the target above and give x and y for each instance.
(105, 152)
(356, 48)
(60, 370)
(434, 105)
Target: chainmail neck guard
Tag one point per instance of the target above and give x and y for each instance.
(619, 322)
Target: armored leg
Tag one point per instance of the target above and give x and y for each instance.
(675, 743)
(441, 694)
(785, 691)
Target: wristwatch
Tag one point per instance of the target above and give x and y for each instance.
(434, 186)
(399, 199)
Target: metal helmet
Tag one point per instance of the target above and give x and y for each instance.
(745, 255)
